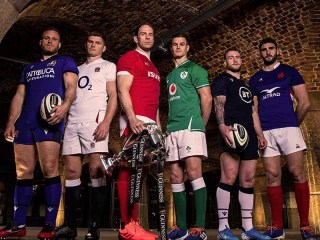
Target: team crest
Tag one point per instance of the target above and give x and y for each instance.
(145, 63)
(52, 63)
(280, 75)
(172, 89)
(97, 69)
(183, 75)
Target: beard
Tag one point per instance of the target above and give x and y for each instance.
(47, 52)
(271, 61)
(233, 69)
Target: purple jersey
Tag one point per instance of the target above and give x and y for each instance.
(274, 92)
(40, 79)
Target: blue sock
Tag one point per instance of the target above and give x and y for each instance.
(22, 197)
(53, 195)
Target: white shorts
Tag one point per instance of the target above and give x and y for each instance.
(283, 141)
(79, 139)
(124, 124)
(183, 143)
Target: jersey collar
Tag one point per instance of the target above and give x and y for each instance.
(184, 62)
(143, 53)
(274, 67)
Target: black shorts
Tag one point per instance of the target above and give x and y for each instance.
(250, 152)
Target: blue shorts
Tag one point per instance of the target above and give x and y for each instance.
(34, 135)
(250, 152)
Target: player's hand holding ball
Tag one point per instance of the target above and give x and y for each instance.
(52, 109)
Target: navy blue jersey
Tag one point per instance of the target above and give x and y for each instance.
(274, 92)
(40, 79)
(239, 99)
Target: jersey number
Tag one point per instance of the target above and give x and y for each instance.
(84, 82)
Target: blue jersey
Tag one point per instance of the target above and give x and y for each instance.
(274, 92)
(40, 79)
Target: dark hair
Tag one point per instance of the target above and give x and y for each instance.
(51, 29)
(97, 34)
(229, 50)
(267, 40)
(181, 35)
(136, 31)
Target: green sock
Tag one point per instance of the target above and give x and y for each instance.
(200, 197)
(180, 203)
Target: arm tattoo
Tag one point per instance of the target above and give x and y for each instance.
(219, 102)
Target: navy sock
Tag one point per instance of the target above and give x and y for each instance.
(22, 197)
(53, 195)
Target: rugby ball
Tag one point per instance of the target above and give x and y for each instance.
(48, 103)
(240, 137)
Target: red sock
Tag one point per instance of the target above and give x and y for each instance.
(275, 197)
(123, 194)
(302, 193)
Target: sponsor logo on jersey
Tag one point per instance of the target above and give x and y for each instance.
(92, 145)
(50, 209)
(172, 89)
(97, 69)
(280, 75)
(52, 63)
(231, 79)
(153, 75)
(41, 73)
(260, 80)
(270, 93)
(245, 94)
(46, 131)
(183, 74)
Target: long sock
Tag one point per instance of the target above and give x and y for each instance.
(123, 194)
(72, 199)
(223, 202)
(180, 204)
(200, 197)
(97, 200)
(53, 195)
(275, 197)
(302, 194)
(22, 197)
(246, 203)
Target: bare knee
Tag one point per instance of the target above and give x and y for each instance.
(248, 181)
(274, 177)
(298, 174)
(24, 170)
(50, 169)
(95, 170)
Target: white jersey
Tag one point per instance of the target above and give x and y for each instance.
(91, 101)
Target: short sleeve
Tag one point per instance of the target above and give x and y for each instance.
(199, 77)
(127, 63)
(70, 66)
(110, 71)
(219, 87)
(295, 77)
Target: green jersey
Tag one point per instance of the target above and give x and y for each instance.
(184, 100)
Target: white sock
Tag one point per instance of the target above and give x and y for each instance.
(246, 203)
(223, 202)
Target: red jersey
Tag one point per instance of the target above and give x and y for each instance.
(145, 88)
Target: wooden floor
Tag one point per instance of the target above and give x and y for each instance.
(112, 234)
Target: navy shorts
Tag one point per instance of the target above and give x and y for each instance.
(34, 135)
(250, 152)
